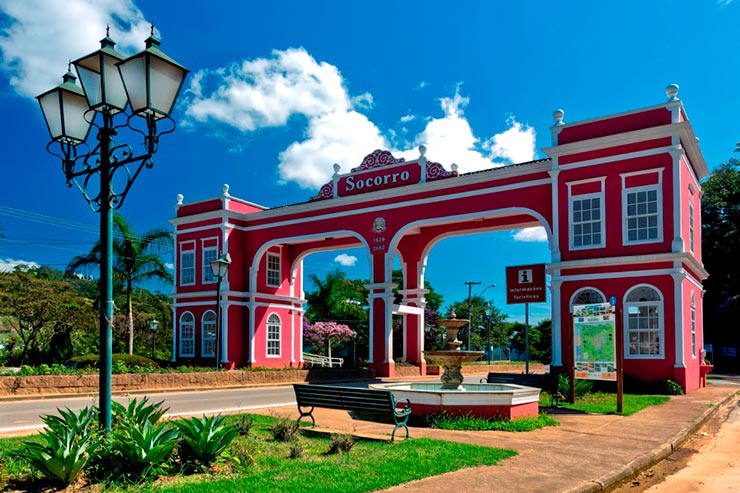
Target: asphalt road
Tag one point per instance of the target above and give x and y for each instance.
(17, 417)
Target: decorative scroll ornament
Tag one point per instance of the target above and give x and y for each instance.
(377, 159)
(436, 171)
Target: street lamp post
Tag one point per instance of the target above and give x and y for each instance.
(219, 266)
(488, 309)
(153, 325)
(131, 93)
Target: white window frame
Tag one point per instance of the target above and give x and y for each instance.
(572, 199)
(270, 270)
(209, 253)
(181, 267)
(636, 311)
(582, 290)
(658, 215)
(272, 343)
(207, 342)
(182, 339)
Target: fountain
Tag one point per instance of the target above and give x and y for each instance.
(484, 400)
(453, 358)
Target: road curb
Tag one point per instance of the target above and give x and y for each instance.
(656, 455)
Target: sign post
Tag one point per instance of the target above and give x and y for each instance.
(526, 284)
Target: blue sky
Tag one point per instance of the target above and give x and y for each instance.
(281, 90)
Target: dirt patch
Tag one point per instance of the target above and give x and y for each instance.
(675, 462)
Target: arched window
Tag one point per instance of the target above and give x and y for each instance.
(273, 335)
(587, 296)
(643, 323)
(187, 334)
(208, 334)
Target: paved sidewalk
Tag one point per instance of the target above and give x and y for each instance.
(586, 453)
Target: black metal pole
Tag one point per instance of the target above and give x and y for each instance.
(488, 349)
(154, 340)
(218, 322)
(526, 338)
(470, 308)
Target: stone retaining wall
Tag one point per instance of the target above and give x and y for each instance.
(485, 369)
(40, 385)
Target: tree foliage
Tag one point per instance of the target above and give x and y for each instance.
(479, 323)
(46, 317)
(136, 259)
(721, 233)
(322, 335)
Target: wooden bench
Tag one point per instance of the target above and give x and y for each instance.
(378, 402)
(546, 382)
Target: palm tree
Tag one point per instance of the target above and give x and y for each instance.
(136, 259)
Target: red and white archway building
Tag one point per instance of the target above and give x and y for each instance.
(619, 198)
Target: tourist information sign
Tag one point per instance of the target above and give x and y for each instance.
(595, 342)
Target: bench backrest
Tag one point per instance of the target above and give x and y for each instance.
(347, 398)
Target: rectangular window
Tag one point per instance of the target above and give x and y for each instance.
(187, 268)
(642, 216)
(643, 331)
(209, 335)
(273, 270)
(187, 335)
(587, 222)
(209, 253)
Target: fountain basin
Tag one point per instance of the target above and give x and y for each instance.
(482, 400)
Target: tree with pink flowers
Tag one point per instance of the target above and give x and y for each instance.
(322, 334)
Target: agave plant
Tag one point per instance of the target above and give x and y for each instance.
(66, 445)
(136, 413)
(144, 447)
(205, 438)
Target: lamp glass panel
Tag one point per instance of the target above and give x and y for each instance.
(52, 113)
(133, 73)
(90, 80)
(75, 125)
(166, 79)
(115, 93)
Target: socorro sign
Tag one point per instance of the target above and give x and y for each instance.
(389, 177)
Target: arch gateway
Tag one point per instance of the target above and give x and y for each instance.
(619, 198)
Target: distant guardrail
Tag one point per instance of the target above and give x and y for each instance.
(323, 361)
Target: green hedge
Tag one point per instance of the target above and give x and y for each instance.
(129, 360)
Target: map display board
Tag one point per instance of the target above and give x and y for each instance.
(594, 342)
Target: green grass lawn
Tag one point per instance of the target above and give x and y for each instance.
(259, 463)
(606, 402)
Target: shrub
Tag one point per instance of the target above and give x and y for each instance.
(129, 360)
(244, 423)
(340, 443)
(296, 450)
(669, 387)
(582, 387)
(204, 438)
(284, 430)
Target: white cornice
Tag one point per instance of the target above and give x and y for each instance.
(614, 140)
(680, 257)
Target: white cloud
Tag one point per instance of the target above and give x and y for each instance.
(9, 265)
(450, 139)
(35, 62)
(345, 260)
(407, 118)
(266, 92)
(530, 235)
(343, 137)
(516, 144)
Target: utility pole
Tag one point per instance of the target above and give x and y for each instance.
(470, 308)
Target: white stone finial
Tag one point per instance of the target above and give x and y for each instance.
(453, 167)
(336, 169)
(558, 116)
(225, 189)
(422, 149)
(672, 92)
(180, 198)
